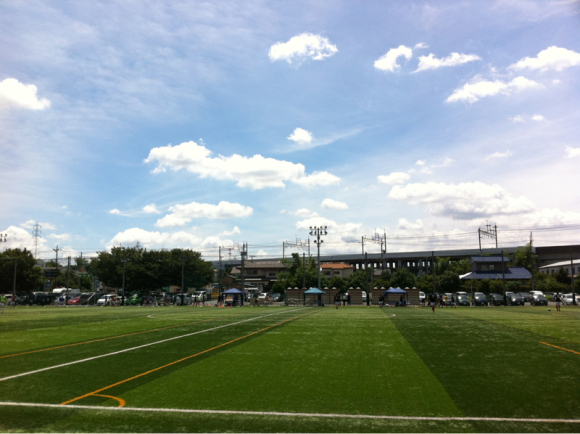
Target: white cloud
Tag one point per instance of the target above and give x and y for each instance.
(302, 47)
(154, 239)
(115, 211)
(552, 58)
(388, 62)
(406, 224)
(518, 118)
(151, 209)
(234, 231)
(464, 201)
(60, 237)
(538, 118)
(420, 162)
(499, 155)
(300, 136)
(446, 162)
(183, 214)
(304, 213)
(572, 152)
(256, 172)
(421, 45)
(333, 204)
(16, 94)
(454, 59)
(479, 88)
(333, 228)
(317, 178)
(29, 224)
(394, 178)
(261, 253)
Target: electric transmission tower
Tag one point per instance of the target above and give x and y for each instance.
(36, 233)
(489, 232)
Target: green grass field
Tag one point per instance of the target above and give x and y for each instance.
(280, 369)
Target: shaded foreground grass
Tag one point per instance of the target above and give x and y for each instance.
(69, 420)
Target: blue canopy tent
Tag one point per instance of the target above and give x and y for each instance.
(235, 292)
(396, 291)
(314, 291)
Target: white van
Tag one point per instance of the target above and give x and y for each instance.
(66, 291)
(108, 299)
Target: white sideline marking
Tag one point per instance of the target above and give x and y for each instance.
(279, 413)
(140, 346)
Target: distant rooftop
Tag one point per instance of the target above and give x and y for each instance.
(488, 259)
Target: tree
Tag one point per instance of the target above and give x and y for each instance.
(147, 271)
(28, 274)
(524, 257)
(338, 283)
(359, 279)
(293, 276)
(449, 282)
(403, 278)
(562, 276)
(460, 267)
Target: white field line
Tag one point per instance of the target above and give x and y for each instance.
(280, 413)
(140, 346)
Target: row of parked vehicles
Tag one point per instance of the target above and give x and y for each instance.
(535, 298)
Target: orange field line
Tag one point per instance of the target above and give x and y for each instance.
(177, 361)
(560, 348)
(119, 400)
(115, 337)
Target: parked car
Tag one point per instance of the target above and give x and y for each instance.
(514, 299)
(479, 299)
(107, 299)
(263, 295)
(45, 298)
(27, 299)
(537, 292)
(526, 296)
(276, 296)
(496, 299)
(538, 300)
(462, 300)
(134, 300)
(422, 297)
(569, 298)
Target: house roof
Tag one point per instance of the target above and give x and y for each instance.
(489, 259)
(340, 266)
(264, 264)
(511, 273)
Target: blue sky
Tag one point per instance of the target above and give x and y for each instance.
(198, 125)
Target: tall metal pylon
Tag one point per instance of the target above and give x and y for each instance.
(36, 233)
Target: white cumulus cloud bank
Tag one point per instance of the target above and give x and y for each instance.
(479, 88)
(16, 94)
(151, 209)
(302, 47)
(301, 136)
(572, 152)
(333, 204)
(182, 214)
(464, 201)
(552, 58)
(29, 224)
(388, 62)
(256, 172)
(499, 155)
(454, 59)
(395, 177)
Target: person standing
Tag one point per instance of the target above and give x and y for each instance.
(256, 300)
(381, 301)
(453, 301)
(266, 300)
(337, 300)
(558, 300)
(2, 302)
(432, 301)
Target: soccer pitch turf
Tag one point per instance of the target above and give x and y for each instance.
(281, 369)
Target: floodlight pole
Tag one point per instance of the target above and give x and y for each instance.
(124, 261)
(318, 231)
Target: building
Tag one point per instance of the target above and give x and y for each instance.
(494, 268)
(572, 267)
(341, 270)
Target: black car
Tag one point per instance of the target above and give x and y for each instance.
(496, 299)
(526, 296)
(462, 300)
(479, 299)
(514, 299)
(538, 300)
(25, 299)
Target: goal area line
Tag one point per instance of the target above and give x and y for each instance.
(287, 414)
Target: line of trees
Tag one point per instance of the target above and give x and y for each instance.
(151, 270)
(28, 274)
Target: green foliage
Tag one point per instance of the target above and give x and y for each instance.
(297, 272)
(484, 286)
(514, 286)
(403, 278)
(28, 274)
(147, 271)
(524, 258)
(359, 279)
(496, 286)
(562, 276)
(460, 267)
(442, 265)
(425, 283)
(338, 283)
(449, 282)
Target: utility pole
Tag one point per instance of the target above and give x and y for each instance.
(503, 279)
(433, 268)
(318, 231)
(183, 277)
(367, 279)
(67, 280)
(124, 261)
(14, 283)
(572, 277)
(220, 272)
(56, 250)
(303, 271)
(243, 254)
